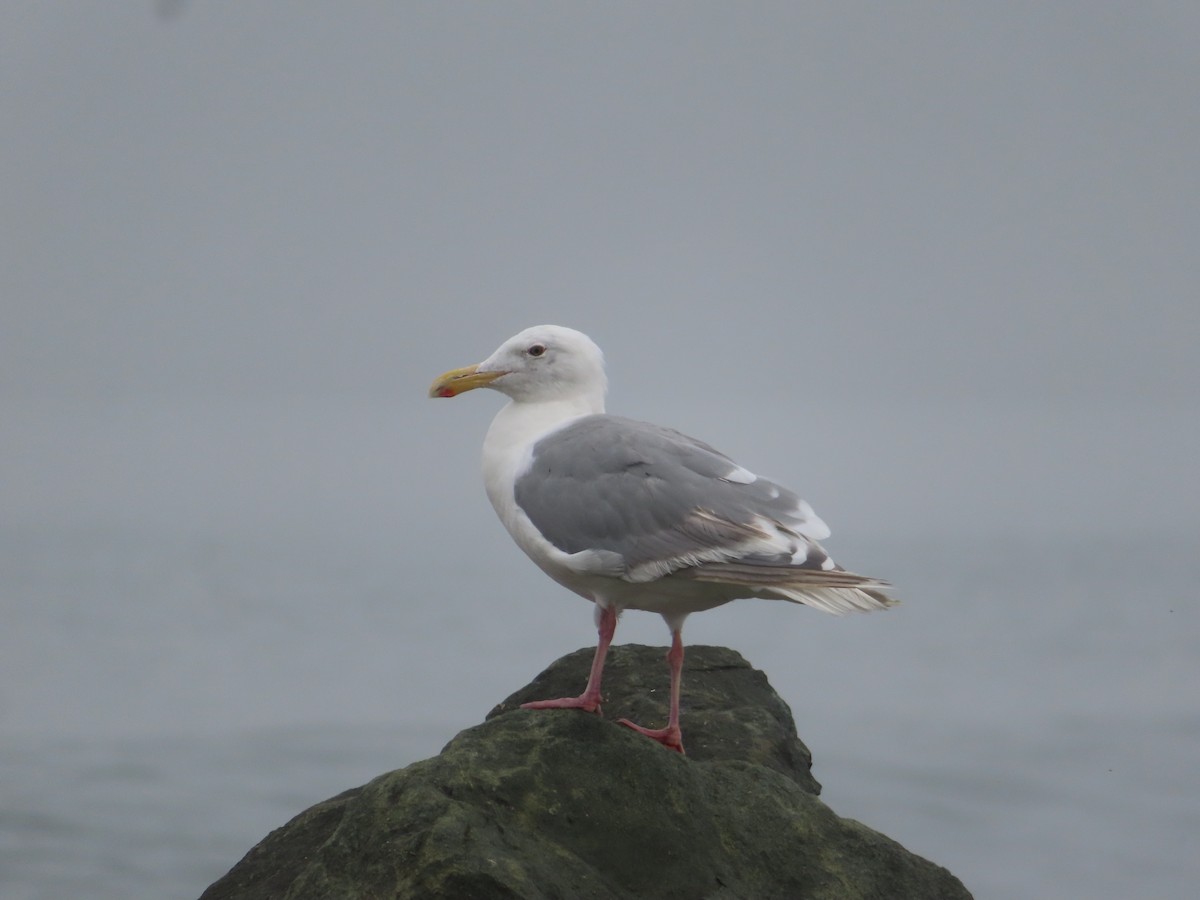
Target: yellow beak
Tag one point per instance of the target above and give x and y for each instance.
(456, 381)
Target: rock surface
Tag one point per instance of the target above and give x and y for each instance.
(563, 804)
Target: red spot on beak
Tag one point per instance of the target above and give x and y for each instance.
(446, 392)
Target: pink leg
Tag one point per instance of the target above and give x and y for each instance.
(670, 736)
(589, 700)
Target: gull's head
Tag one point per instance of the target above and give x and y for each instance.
(543, 363)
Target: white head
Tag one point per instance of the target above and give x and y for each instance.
(542, 363)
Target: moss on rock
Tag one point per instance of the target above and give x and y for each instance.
(562, 804)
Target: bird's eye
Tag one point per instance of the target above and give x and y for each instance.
(536, 350)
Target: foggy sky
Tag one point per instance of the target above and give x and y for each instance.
(922, 262)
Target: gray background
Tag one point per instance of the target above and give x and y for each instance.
(933, 265)
(792, 227)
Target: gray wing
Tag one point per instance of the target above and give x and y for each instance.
(661, 501)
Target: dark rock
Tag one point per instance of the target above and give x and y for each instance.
(563, 804)
(729, 711)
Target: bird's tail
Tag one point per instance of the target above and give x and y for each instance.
(833, 591)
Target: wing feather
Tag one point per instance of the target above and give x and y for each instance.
(663, 502)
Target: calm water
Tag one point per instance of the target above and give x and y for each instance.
(1029, 717)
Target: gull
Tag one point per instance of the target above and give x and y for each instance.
(631, 515)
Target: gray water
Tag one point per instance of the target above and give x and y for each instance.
(1028, 717)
